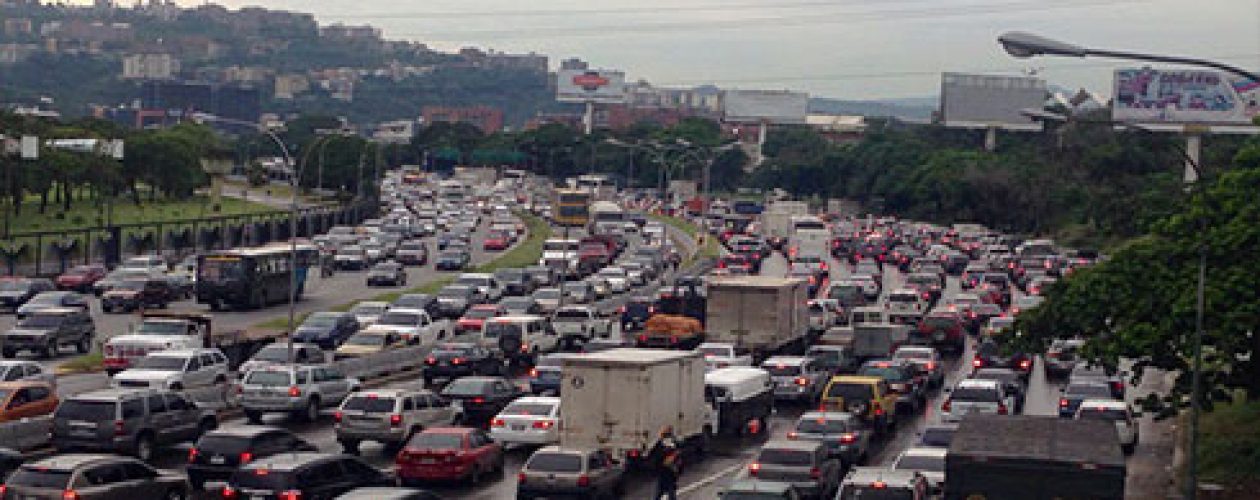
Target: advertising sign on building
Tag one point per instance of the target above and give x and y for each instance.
(780, 107)
(591, 85)
(1184, 96)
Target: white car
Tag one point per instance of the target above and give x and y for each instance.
(907, 303)
(13, 369)
(177, 369)
(977, 396)
(531, 420)
(368, 311)
(723, 355)
(1116, 411)
(617, 278)
(929, 461)
(414, 325)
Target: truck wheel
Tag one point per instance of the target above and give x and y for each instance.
(311, 412)
(144, 447)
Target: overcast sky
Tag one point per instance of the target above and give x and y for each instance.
(857, 49)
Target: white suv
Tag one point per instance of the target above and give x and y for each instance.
(906, 305)
(977, 396)
(177, 369)
(533, 420)
(1116, 411)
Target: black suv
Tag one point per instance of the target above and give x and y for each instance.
(218, 454)
(46, 330)
(303, 475)
(14, 292)
(481, 397)
(458, 359)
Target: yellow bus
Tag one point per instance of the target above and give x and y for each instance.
(572, 208)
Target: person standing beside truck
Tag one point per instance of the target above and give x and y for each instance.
(669, 467)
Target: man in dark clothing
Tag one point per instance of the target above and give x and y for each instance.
(670, 466)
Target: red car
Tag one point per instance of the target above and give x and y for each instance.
(477, 315)
(449, 454)
(81, 278)
(496, 241)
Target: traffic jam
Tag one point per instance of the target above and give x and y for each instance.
(811, 355)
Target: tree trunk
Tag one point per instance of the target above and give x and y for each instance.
(43, 202)
(65, 196)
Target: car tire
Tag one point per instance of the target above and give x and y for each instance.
(50, 349)
(474, 477)
(144, 447)
(253, 417)
(350, 447)
(8, 353)
(196, 484)
(311, 412)
(84, 344)
(175, 494)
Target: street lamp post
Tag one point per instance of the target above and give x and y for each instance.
(293, 216)
(1025, 45)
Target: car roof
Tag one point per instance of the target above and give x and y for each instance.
(544, 400)
(784, 444)
(924, 451)
(893, 477)
(57, 310)
(978, 383)
(288, 461)
(786, 360)
(825, 415)
(754, 485)
(247, 431)
(1108, 404)
(177, 353)
(111, 394)
(74, 460)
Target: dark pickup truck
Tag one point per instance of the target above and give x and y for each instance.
(1034, 458)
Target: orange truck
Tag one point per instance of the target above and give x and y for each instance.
(671, 331)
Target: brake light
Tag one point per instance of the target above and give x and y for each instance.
(1063, 402)
(395, 420)
(793, 435)
(977, 362)
(879, 485)
(120, 428)
(879, 410)
(815, 473)
(520, 477)
(295, 391)
(634, 453)
(478, 400)
(457, 361)
(544, 424)
(754, 468)
(583, 481)
(229, 493)
(337, 417)
(430, 360)
(930, 366)
(802, 381)
(291, 495)
(1001, 409)
(498, 422)
(246, 457)
(621, 310)
(192, 454)
(848, 438)
(1025, 364)
(533, 372)
(945, 406)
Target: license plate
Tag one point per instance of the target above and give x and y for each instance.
(518, 427)
(938, 336)
(428, 460)
(218, 460)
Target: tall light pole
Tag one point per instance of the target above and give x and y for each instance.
(1024, 45)
(293, 216)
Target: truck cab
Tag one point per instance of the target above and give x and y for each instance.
(156, 332)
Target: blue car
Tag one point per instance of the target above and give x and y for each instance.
(326, 329)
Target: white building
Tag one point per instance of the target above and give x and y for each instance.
(150, 67)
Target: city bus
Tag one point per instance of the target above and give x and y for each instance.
(252, 278)
(572, 208)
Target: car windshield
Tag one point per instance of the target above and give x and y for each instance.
(781, 369)
(14, 286)
(454, 292)
(30, 476)
(496, 329)
(369, 310)
(913, 354)
(564, 315)
(1099, 413)
(890, 373)
(528, 409)
(939, 320)
(436, 441)
(367, 339)
(547, 294)
(481, 313)
(1085, 391)
(262, 479)
(161, 363)
(466, 387)
(451, 256)
(937, 437)
(370, 403)
(87, 411)
(46, 298)
(555, 462)
(932, 463)
(849, 392)
(163, 328)
(410, 302)
(785, 457)
(41, 321)
(269, 378)
(320, 321)
(821, 425)
(223, 444)
(974, 394)
(395, 318)
(516, 303)
(131, 286)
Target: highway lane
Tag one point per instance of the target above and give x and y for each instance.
(322, 294)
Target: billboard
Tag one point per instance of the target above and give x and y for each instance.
(591, 85)
(990, 99)
(782, 107)
(1181, 96)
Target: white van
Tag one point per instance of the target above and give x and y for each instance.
(520, 338)
(739, 395)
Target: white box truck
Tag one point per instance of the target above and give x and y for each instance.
(621, 400)
(762, 314)
(776, 220)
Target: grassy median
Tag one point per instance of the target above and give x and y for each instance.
(524, 254)
(709, 250)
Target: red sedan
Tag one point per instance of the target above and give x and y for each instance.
(496, 241)
(449, 454)
(81, 278)
(477, 315)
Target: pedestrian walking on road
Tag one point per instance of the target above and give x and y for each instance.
(670, 466)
